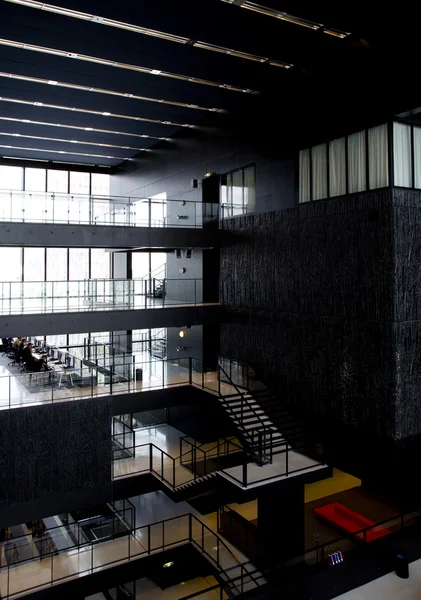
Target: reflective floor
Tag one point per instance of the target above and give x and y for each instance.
(150, 508)
(20, 390)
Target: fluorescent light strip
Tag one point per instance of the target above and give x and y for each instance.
(112, 63)
(50, 139)
(146, 31)
(91, 112)
(78, 128)
(86, 88)
(61, 152)
(55, 162)
(271, 12)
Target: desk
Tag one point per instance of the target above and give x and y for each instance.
(64, 373)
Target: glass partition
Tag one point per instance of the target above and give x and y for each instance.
(64, 208)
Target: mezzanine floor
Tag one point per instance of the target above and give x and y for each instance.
(21, 579)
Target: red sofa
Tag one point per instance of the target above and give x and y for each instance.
(348, 520)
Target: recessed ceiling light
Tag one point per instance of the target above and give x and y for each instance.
(21, 148)
(76, 127)
(64, 141)
(51, 82)
(112, 63)
(90, 111)
(272, 12)
(156, 72)
(147, 31)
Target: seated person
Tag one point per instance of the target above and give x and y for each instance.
(27, 357)
(41, 364)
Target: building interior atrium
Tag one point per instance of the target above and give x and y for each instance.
(210, 318)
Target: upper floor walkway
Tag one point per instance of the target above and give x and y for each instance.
(72, 220)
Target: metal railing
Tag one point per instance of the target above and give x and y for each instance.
(149, 458)
(139, 541)
(84, 209)
(31, 297)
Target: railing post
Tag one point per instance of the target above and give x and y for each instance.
(190, 370)
(162, 465)
(173, 472)
(190, 527)
(286, 459)
(245, 472)
(149, 539)
(150, 458)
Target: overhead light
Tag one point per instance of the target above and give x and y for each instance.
(61, 152)
(110, 63)
(86, 88)
(283, 16)
(144, 31)
(89, 111)
(156, 72)
(78, 127)
(64, 141)
(182, 333)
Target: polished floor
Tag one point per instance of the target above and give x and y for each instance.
(23, 389)
(151, 508)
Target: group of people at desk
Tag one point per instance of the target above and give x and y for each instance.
(34, 359)
(24, 353)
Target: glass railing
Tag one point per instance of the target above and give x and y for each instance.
(76, 557)
(96, 295)
(74, 378)
(43, 207)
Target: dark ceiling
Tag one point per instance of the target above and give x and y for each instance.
(332, 81)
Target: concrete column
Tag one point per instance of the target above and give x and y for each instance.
(281, 520)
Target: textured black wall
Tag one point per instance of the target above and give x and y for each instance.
(407, 282)
(312, 306)
(55, 450)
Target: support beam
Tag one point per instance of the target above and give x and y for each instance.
(104, 236)
(110, 320)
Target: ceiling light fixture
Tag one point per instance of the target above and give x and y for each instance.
(110, 63)
(91, 112)
(61, 152)
(78, 128)
(75, 14)
(277, 14)
(64, 141)
(86, 88)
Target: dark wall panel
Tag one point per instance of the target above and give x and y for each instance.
(54, 450)
(311, 301)
(192, 153)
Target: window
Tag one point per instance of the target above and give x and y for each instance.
(100, 263)
(34, 264)
(11, 178)
(78, 264)
(319, 171)
(56, 264)
(238, 192)
(35, 180)
(11, 264)
(58, 181)
(402, 154)
(337, 167)
(100, 184)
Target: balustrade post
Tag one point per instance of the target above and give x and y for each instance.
(245, 472)
(190, 370)
(149, 539)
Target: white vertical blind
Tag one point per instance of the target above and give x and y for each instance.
(402, 154)
(356, 162)
(417, 157)
(319, 171)
(304, 168)
(378, 171)
(337, 167)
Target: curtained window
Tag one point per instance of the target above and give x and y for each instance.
(378, 157)
(417, 157)
(402, 155)
(337, 167)
(356, 162)
(319, 171)
(304, 167)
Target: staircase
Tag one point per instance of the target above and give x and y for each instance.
(259, 433)
(159, 344)
(296, 433)
(197, 483)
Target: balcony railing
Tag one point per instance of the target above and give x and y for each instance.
(44, 207)
(28, 297)
(81, 558)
